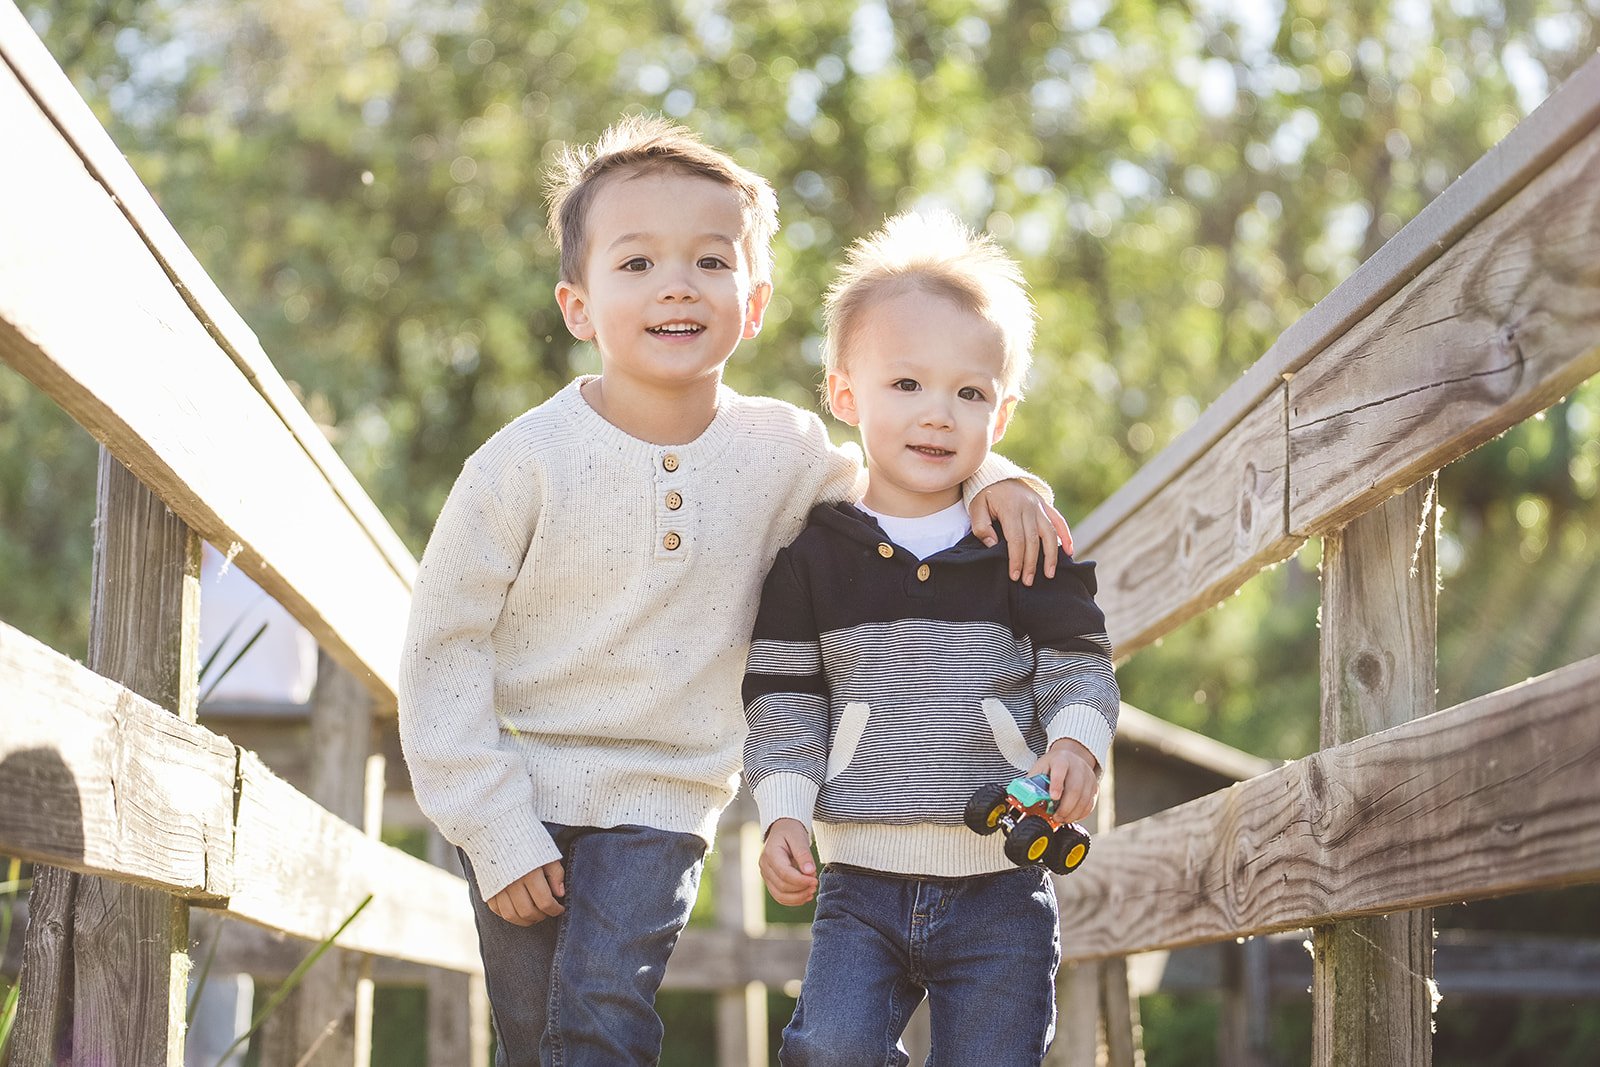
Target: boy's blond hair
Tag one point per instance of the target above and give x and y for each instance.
(932, 252)
(644, 144)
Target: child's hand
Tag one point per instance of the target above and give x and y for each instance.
(786, 864)
(1033, 528)
(533, 897)
(1074, 785)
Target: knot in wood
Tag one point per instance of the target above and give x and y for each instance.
(1370, 670)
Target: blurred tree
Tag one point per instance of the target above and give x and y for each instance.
(1181, 181)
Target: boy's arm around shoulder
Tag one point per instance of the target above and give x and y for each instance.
(467, 781)
(1074, 684)
(785, 700)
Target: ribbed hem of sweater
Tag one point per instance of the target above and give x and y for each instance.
(785, 796)
(1085, 724)
(926, 849)
(507, 847)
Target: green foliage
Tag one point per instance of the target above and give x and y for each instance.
(1181, 182)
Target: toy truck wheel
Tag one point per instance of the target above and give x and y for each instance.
(985, 808)
(1029, 842)
(1068, 846)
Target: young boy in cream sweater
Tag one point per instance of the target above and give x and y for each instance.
(569, 692)
(895, 670)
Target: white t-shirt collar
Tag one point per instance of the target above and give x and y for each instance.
(925, 535)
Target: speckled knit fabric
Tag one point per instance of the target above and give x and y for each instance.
(581, 617)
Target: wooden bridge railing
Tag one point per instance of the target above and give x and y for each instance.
(104, 775)
(1477, 315)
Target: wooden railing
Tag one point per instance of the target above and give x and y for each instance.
(1477, 315)
(105, 777)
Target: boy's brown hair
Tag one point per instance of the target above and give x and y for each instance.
(643, 144)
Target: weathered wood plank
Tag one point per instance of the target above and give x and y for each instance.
(50, 87)
(301, 870)
(103, 782)
(45, 977)
(1372, 998)
(1495, 796)
(1202, 536)
(737, 894)
(67, 736)
(327, 1020)
(1503, 324)
(130, 964)
(1570, 113)
(458, 1004)
(196, 430)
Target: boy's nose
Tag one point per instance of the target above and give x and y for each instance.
(678, 288)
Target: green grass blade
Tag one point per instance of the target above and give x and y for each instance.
(282, 992)
(8, 1016)
(205, 972)
(232, 663)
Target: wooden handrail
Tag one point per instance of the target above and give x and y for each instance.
(1491, 797)
(100, 781)
(166, 375)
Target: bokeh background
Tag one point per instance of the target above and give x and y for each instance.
(1181, 181)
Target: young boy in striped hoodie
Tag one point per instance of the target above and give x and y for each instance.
(894, 669)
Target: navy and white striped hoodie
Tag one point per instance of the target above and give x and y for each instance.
(881, 690)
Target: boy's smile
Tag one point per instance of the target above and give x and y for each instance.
(666, 293)
(923, 379)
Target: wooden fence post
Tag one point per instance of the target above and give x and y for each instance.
(121, 951)
(458, 1004)
(327, 1021)
(1097, 1016)
(741, 908)
(1373, 978)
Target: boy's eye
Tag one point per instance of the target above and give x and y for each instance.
(637, 263)
(971, 393)
(906, 385)
(713, 263)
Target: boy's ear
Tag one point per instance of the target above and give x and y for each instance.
(575, 311)
(1003, 419)
(756, 309)
(842, 398)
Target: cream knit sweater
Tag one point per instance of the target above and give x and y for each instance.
(581, 617)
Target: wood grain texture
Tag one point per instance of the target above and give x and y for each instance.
(1372, 997)
(130, 965)
(172, 406)
(301, 870)
(104, 782)
(329, 1023)
(68, 737)
(1201, 537)
(1569, 114)
(1492, 797)
(1503, 324)
(44, 1002)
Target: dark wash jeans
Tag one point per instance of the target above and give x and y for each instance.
(984, 950)
(579, 990)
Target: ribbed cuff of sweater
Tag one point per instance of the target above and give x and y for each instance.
(507, 847)
(1084, 724)
(786, 796)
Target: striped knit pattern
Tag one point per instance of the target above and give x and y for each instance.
(878, 701)
(563, 663)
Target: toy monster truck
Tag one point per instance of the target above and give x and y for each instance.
(1026, 813)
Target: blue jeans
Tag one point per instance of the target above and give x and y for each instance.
(983, 950)
(579, 990)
